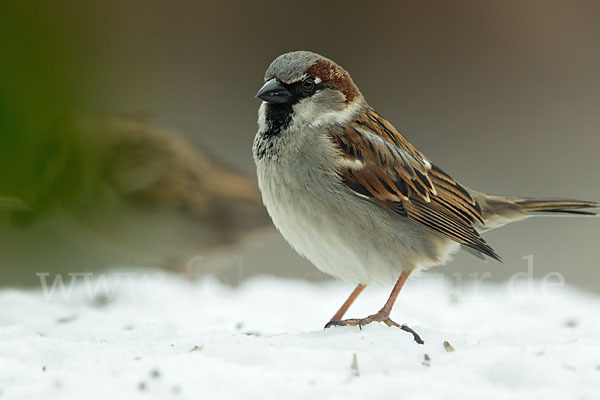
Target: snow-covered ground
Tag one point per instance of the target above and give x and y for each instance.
(162, 336)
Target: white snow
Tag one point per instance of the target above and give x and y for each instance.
(163, 336)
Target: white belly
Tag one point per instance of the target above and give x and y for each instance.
(340, 233)
(330, 238)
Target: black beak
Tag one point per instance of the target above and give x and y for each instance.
(273, 92)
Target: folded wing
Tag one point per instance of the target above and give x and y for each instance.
(377, 162)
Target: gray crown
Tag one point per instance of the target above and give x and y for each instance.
(290, 67)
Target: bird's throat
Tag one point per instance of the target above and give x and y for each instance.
(277, 117)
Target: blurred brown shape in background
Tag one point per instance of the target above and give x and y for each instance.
(121, 191)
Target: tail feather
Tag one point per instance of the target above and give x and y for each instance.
(501, 210)
(557, 206)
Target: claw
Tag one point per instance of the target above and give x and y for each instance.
(415, 334)
(374, 318)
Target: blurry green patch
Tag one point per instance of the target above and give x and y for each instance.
(42, 54)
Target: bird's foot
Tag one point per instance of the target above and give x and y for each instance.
(379, 317)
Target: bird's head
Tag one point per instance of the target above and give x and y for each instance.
(303, 89)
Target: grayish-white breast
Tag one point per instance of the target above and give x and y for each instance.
(341, 233)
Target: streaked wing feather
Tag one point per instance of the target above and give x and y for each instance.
(395, 175)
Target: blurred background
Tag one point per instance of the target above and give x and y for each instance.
(126, 126)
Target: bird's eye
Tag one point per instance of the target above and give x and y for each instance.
(308, 85)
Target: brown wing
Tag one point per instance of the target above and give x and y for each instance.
(378, 162)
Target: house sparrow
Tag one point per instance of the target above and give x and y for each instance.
(352, 195)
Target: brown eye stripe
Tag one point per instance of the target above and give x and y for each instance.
(333, 76)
